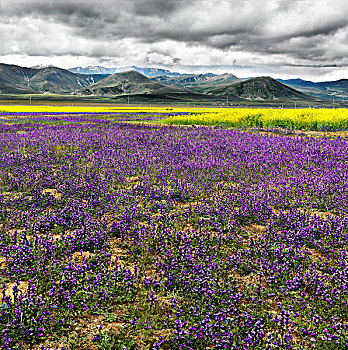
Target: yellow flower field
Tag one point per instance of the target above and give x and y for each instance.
(304, 119)
(313, 119)
(99, 108)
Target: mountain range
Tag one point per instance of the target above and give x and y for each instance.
(149, 72)
(134, 83)
(198, 82)
(327, 89)
(201, 82)
(161, 84)
(21, 80)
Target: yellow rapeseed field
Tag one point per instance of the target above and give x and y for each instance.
(303, 119)
(98, 108)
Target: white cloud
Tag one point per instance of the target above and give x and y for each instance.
(307, 38)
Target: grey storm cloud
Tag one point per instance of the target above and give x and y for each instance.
(269, 32)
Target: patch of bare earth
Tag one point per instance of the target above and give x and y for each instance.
(53, 192)
(9, 291)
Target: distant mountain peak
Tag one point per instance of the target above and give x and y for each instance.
(147, 71)
(41, 66)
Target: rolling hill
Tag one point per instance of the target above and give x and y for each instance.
(260, 88)
(132, 83)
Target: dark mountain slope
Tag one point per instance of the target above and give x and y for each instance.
(21, 80)
(261, 88)
(15, 79)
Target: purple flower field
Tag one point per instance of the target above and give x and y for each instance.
(117, 235)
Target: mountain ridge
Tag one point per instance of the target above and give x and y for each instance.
(259, 88)
(323, 89)
(131, 82)
(198, 82)
(147, 71)
(23, 80)
(50, 79)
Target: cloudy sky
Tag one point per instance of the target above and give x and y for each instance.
(284, 39)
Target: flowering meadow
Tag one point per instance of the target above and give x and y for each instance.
(123, 235)
(323, 119)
